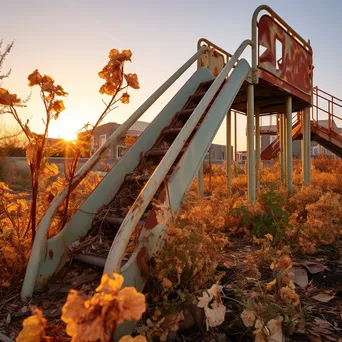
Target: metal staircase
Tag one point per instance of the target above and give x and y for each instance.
(325, 125)
(271, 151)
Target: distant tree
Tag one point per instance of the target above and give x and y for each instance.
(5, 135)
(3, 55)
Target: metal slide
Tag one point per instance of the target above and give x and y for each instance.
(158, 168)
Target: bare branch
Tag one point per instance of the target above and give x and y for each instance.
(3, 56)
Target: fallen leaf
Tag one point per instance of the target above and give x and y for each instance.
(300, 277)
(314, 338)
(323, 297)
(8, 319)
(314, 268)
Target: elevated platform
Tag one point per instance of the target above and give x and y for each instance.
(269, 98)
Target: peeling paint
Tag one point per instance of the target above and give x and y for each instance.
(142, 260)
(293, 71)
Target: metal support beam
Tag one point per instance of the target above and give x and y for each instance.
(257, 147)
(235, 136)
(306, 146)
(288, 119)
(229, 150)
(200, 180)
(210, 162)
(250, 144)
(282, 148)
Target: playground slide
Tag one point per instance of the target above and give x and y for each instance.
(56, 250)
(154, 173)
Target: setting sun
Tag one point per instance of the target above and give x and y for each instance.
(63, 132)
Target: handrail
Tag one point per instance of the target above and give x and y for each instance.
(281, 21)
(331, 103)
(44, 224)
(328, 100)
(127, 227)
(324, 92)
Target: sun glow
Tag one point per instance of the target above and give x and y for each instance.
(63, 132)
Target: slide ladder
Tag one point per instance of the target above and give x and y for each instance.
(146, 187)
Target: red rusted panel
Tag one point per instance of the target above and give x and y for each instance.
(293, 71)
(217, 61)
(142, 261)
(151, 220)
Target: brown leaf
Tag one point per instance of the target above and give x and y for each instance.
(315, 268)
(35, 78)
(108, 88)
(125, 98)
(300, 277)
(8, 319)
(132, 81)
(323, 297)
(8, 99)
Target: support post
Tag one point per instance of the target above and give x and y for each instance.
(250, 144)
(282, 148)
(257, 147)
(279, 128)
(288, 116)
(210, 162)
(200, 180)
(229, 150)
(306, 146)
(235, 136)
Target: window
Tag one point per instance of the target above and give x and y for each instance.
(120, 151)
(222, 155)
(102, 139)
(279, 54)
(213, 154)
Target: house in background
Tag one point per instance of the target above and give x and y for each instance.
(218, 154)
(103, 132)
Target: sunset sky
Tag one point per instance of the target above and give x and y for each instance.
(70, 41)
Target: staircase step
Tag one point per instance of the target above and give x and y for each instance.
(90, 259)
(186, 112)
(118, 220)
(158, 152)
(173, 130)
(197, 96)
(131, 178)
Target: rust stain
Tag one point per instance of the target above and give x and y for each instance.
(217, 61)
(152, 221)
(142, 260)
(293, 72)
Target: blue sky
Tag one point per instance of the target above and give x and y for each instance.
(70, 41)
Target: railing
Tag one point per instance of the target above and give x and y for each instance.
(38, 248)
(127, 227)
(211, 45)
(326, 107)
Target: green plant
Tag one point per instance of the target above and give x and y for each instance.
(271, 219)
